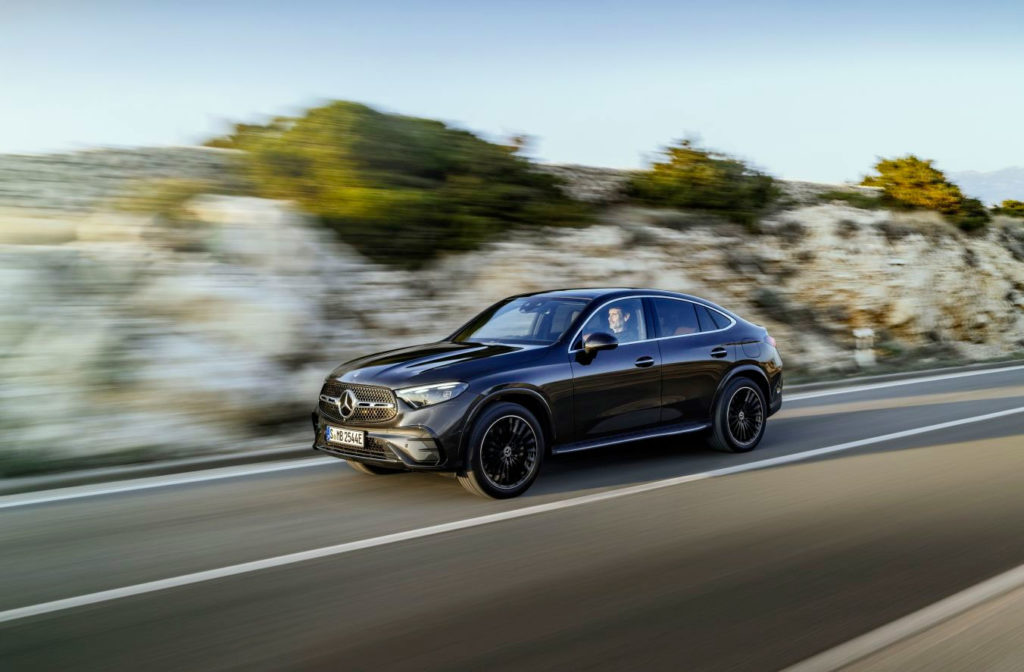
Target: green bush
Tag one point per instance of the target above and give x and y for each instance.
(909, 182)
(165, 197)
(972, 216)
(168, 199)
(400, 189)
(1011, 208)
(689, 177)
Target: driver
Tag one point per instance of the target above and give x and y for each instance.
(621, 326)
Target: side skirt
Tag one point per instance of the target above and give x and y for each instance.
(668, 430)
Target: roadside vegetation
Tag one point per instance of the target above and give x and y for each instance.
(405, 190)
(1011, 208)
(688, 177)
(910, 183)
(166, 198)
(402, 190)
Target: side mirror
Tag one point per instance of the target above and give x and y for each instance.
(594, 343)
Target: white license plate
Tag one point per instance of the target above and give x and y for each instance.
(345, 437)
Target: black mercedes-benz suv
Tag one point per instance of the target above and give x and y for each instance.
(548, 373)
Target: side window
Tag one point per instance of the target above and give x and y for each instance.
(706, 323)
(622, 319)
(675, 318)
(711, 320)
(721, 321)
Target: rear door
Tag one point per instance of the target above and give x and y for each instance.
(618, 390)
(695, 355)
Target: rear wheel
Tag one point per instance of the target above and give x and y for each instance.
(371, 469)
(504, 454)
(738, 419)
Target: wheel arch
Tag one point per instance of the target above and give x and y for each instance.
(529, 398)
(750, 371)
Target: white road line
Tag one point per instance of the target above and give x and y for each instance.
(348, 547)
(894, 383)
(114, 487)
(59, 494)
(913, 624)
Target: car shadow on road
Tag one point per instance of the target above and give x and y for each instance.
(626, 464)
(655, 459)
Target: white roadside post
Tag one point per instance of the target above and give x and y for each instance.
(864, 341)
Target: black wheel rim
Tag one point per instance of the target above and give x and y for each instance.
(745, 416)
(508, 452)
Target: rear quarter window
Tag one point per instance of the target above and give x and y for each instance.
(711, 320)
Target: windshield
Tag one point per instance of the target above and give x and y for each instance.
(527, 320)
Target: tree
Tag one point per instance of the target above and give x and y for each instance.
(690, 177)
(1012, 208)
(911, 182)
(400, 189)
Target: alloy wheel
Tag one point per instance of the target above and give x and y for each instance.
(745, 416)
(508, 452)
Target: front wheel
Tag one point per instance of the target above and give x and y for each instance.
(738, 419)
(504, 453)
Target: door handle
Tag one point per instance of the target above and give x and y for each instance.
(644, 362)
(719, 352)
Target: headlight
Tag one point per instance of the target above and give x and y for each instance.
(428, 395)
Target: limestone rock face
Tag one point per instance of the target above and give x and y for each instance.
(124, 343)
(83, 181)
(588, 184)
(816, 275)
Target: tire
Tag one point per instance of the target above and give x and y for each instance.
(499, 471)
(739, 417)
(371, 469)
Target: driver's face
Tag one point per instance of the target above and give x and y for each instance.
(615, 320)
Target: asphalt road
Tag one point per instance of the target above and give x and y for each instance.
(746, 571)
(987, 637)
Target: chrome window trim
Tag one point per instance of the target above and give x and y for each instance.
(732, 321)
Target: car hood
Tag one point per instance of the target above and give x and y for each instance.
(430, 363)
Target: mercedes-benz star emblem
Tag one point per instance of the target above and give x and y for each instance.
(347, 403)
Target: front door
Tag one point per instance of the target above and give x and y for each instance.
(618, 390)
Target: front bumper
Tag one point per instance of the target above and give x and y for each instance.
(400, 447)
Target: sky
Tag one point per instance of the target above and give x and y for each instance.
(808, 90)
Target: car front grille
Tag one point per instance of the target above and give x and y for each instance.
(372, 448)
(364, 393)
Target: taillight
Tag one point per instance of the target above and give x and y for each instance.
(769, 340)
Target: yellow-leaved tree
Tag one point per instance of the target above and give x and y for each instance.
(1012, 208)
(916, 183)
(910, 182)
